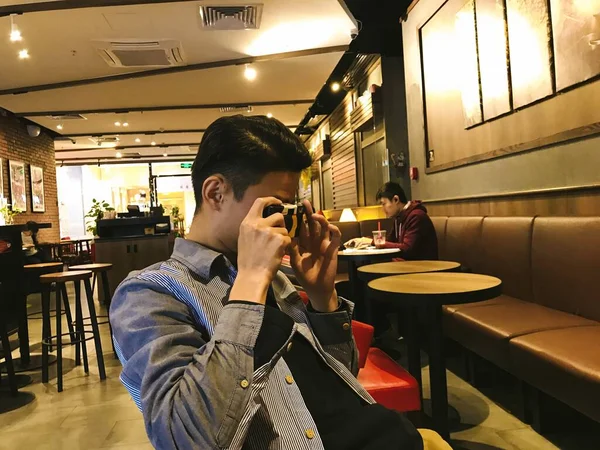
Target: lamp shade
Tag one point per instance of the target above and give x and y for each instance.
(347, 216)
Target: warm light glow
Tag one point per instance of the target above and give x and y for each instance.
(138, 140)
(117, 124)
(250, 73)
(24, 54)
(152, 143)
(292, 36)
(165, 155)
(15, 34)
(347, 216)
(118, 155)
(335, 87)
(125, 124)
(269, 115)
(59, 126)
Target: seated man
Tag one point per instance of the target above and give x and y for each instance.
(218, 349)
(413, 231)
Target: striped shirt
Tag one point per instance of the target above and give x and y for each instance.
(187, 356)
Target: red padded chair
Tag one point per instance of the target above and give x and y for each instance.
(387, 382)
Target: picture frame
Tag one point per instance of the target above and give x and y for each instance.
(38, 200)
(2, 178)
(18, 190)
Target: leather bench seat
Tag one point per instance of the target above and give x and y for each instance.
(564, 363)
(486, 330)
(502, 300)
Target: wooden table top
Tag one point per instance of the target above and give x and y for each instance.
(367, 254)
(404, 267)
(437, 288)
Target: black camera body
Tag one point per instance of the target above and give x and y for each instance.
(293, 216)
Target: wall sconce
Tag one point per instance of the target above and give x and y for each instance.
(347, 216)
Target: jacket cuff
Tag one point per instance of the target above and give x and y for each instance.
(334, 327)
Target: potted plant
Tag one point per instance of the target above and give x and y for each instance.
(9, 213)
(96, 213)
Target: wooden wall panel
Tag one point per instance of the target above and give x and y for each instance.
(570, 203)
(343, 160)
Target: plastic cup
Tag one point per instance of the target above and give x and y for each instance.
(379, 238)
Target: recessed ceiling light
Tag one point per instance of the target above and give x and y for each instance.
(250, 73)
(117, 124)
(269, 115)
(335, 86)
(15, 34)
(59, 126)
(24, 54)
(165, 155)
(119, 155)
(152, 143)
(125, 124)
(138, 140)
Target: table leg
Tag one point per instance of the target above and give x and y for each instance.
(23, 328)
(437, 372)
(409, 318)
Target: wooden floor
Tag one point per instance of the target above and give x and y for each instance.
(90, 414)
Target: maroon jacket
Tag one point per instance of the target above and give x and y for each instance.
(417, 239)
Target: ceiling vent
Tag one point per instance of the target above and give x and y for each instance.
(239, 108)
(67, 117)
(139, 53)
(246, 17)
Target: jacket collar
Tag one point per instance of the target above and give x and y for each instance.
(198, 258)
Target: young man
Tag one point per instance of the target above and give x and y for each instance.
(413, 232)
(218, 349)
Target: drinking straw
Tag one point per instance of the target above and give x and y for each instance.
(378, 226)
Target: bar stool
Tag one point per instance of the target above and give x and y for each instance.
(61, 279)
(101, 269)
(36, 270)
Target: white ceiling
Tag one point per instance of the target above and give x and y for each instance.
(60, 45)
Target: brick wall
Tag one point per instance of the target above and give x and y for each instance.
(16, 144)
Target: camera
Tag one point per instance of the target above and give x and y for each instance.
(293, 216)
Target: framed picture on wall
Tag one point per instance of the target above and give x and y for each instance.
(18, 192)
(38, 202)
(2, 179)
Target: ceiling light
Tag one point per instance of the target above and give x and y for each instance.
(269, 115)
(15, 34)
(24, 54)
(335, 87)
(59, 126)
(138, 140)
(118, 155)
(125, 124)
(250, 73)
(165, 155)
(152, 143)
(117, 124)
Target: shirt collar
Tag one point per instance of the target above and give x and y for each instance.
(198, 258)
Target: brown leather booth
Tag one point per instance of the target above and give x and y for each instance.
(545, 328)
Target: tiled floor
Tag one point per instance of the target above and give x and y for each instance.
(90, 414)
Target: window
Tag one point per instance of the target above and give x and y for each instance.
(327, 185)
(375, 169)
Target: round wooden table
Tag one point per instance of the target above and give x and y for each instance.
(430, 291)
(373, 271)
(354, 257)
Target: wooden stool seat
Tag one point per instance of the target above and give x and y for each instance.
(62, 277)
(96, 267)
(42, 266)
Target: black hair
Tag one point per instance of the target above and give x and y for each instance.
(389, 190)
(244, 149)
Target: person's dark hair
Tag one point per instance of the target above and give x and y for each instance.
(389, 190)
(244, 149)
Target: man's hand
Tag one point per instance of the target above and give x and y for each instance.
(261, 246)
(314, 260)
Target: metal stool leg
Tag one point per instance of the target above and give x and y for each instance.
(10, 370)
(107, 299)
(67, 312)
(96, 330)
(80, 329)
(59, 375)
(46, 333)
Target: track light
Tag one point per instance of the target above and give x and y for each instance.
(165, 155)
(15, 34)
(138, 140)
(152, 143)
(24, 54)
(125, 124)
(118, 155)
(59, 126)
(335, 87)
(269, 115)
(250, 73)
(117, 124)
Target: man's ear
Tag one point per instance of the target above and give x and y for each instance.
(396, 199)
(214, 189)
